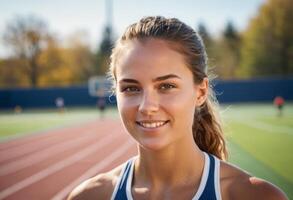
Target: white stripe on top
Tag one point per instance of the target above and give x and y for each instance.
(204, 177)
(197, 195)
(217, 179)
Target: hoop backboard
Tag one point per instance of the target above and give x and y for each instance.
(99, 86)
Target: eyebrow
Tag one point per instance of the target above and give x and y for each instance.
(160, 78)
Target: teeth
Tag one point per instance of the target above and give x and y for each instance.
(151, 124)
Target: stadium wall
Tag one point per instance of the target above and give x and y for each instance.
(254, 90)
(233, 91)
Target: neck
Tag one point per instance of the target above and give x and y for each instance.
(178, 163)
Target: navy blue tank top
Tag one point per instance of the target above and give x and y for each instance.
(209, 188)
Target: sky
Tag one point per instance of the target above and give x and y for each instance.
(64, 17)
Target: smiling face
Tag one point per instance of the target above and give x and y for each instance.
(156, 94)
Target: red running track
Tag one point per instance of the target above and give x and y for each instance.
(51, 164)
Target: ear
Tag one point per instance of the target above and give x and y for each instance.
(202, 90)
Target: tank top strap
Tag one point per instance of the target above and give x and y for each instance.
(209, 188)
(212, 187)
(120, 191)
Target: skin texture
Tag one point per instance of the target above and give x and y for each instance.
(143, 96)
(154, 85)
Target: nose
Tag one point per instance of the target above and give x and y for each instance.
(149, 104)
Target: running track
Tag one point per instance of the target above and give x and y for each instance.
(49, 165)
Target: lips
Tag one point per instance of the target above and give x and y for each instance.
(152, 124)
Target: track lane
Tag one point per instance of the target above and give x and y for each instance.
(48, 178)
(35, 144)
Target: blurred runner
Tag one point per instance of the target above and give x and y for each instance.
(279, 103)
(60, 104)
(101, 103)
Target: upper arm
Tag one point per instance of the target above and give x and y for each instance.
(238, 184)
(99, 187)
(254, 188)
(78, 192)
(265, 190)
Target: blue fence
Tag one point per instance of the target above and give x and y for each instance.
(45, 97)
(236, 91)
(256, 90)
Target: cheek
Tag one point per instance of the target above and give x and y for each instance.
(125, 113)
(182, 106)
(127, 108)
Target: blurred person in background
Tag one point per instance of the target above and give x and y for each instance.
(59, 102)
(279, 104)
(101, 104)
(159, 70)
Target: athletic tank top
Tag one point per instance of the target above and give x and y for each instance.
(209, 187)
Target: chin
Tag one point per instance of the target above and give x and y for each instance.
(152, 145)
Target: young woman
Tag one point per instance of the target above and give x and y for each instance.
(159, 70)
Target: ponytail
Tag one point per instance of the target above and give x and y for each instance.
(207, 130)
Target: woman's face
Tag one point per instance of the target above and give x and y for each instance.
(156, 94)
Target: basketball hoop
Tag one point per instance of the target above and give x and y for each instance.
(99, 86)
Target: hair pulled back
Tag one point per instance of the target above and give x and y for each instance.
(207, 130)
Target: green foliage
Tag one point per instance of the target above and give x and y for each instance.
(208, 42)
(104, 52)
(26, 37)
(39, 60)
(226, 52)
(107, 42)
(11, 74)
(264, 49)
(205, 35)
(230, 33)
(268, 41)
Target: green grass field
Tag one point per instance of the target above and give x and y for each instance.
(27, 122)
(259, 142)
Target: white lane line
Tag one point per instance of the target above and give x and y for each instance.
(58, 166)
(44, 154)
(23, 149)
(94, 170)
(27, 136)
(266, 127)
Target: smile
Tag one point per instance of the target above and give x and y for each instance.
(152, 124)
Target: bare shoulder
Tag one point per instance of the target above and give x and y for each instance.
(237, 184)
(98, 187)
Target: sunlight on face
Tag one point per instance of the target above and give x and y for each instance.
(156, 94)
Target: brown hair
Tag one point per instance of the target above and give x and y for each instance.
(207, 130)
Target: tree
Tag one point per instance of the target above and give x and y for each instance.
(39, 60)
(203, 32)
(267, 42)
(10, 75)
(230, 33)
(207, 39)
(104, 52)
(227, 52)
(210, 45)
(55, 70)
(80, 57)
(27, 37)
(72, 63)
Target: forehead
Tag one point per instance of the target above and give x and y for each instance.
(153, 57)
